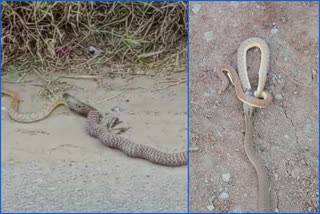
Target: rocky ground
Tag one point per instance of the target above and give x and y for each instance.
(286, 133)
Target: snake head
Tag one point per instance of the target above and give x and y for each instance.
(76, 105)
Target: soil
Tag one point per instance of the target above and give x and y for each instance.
(54, 165)
(286, 133)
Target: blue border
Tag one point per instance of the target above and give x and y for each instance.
(253, 1)
(165, 1)
(93, 1)
(188, 92)
(318, 102)
(188, 106)
(1, 106)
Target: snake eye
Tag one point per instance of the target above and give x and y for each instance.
(78, 106)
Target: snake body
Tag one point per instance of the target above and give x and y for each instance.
(250, 101)
(15, 98)
(244, 97)
(30, 117)
(242, 63)
(134, 150)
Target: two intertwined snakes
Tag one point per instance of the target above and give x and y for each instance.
(251, 99)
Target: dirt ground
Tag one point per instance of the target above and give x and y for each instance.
(54, 166)
(286, 133)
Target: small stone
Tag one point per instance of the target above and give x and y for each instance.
(208, 36)
(210, 207)
(286, 59)
(278, 97)
(295, 92)
(226, 177)
(286, 136)
(223, 195)
(117, 109)
(309, 209)
(211, 199)
(206, 94)
(196, 8)
(237, 210)
(295, 72)
(274, 30)
(235, 4)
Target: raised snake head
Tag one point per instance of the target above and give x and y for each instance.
(76, 105)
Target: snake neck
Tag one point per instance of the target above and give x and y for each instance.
(248, 111)
(92, 123)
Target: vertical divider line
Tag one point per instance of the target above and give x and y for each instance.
(188, 103)
(1, 105)
(318, 100)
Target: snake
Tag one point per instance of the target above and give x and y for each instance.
(131, 149)
(15, 98)
(250, 99)
(245, 97)
(30, 117)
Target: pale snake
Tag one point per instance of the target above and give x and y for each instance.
(250, 100)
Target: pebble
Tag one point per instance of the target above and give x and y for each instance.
(226, 177)
(211, 199)
(278, 97)
(196, 8)
(274, 30)
(235, 4)
(295, 72)
(206, 94)
(208, 36)
(117, 109)
(286, 136)
(295, 92)
(223, 195)
(210, 207)
(237, 210)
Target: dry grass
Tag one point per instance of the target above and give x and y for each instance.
(47, 37)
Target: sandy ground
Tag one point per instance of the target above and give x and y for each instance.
(54, 165)
(286, 133)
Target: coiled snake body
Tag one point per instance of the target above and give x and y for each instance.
(250, 100)
(128, 147)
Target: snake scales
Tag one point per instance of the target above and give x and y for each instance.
(128, 147)
(30, 117)
(105, 133)
(251, 100)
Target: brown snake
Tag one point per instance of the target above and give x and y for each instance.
(134, 150)
(30, 117)
(15, 98)
(250, 100)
